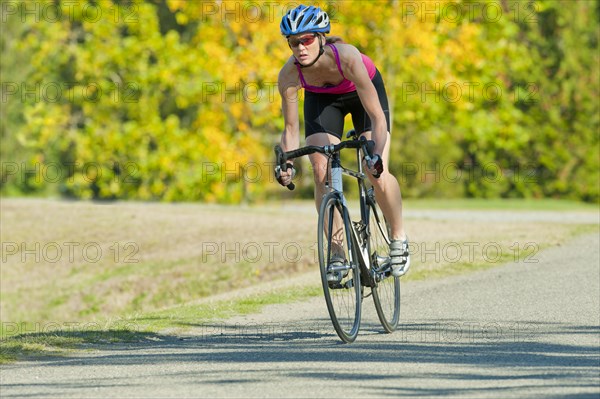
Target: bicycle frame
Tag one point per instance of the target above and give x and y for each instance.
(336, 172)
(360, 233)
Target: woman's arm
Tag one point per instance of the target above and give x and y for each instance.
(355, 70)
(288, 84)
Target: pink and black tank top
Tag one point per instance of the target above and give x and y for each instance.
(345, 86)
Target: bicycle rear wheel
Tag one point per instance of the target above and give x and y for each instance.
(386, 293)
(343, 297)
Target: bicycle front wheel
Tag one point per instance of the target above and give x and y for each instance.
(386, 293)
(338, 262)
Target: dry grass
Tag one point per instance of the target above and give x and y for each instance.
(151, 255)
(158, 255)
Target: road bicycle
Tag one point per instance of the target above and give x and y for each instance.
(355, 253)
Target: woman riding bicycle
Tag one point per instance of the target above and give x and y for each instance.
(338, 80)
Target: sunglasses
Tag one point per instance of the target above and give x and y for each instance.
(304, 40)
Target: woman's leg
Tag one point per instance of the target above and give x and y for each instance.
(389, 198)
(387, 193)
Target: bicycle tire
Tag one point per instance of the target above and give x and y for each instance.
(386, 292)
(344, 300)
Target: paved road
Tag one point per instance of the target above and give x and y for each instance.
(520, 330)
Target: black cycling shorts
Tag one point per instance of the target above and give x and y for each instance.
(324, 113)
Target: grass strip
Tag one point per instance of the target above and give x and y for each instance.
(63, 340)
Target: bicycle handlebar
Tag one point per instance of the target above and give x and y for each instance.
(282, 157)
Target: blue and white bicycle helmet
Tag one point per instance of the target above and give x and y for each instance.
(304, 19)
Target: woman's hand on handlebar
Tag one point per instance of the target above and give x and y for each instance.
(284, 177)
(374, 165)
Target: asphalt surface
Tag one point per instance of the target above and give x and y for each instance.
(518, 330)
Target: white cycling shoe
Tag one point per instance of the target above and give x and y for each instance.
(400, 258)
